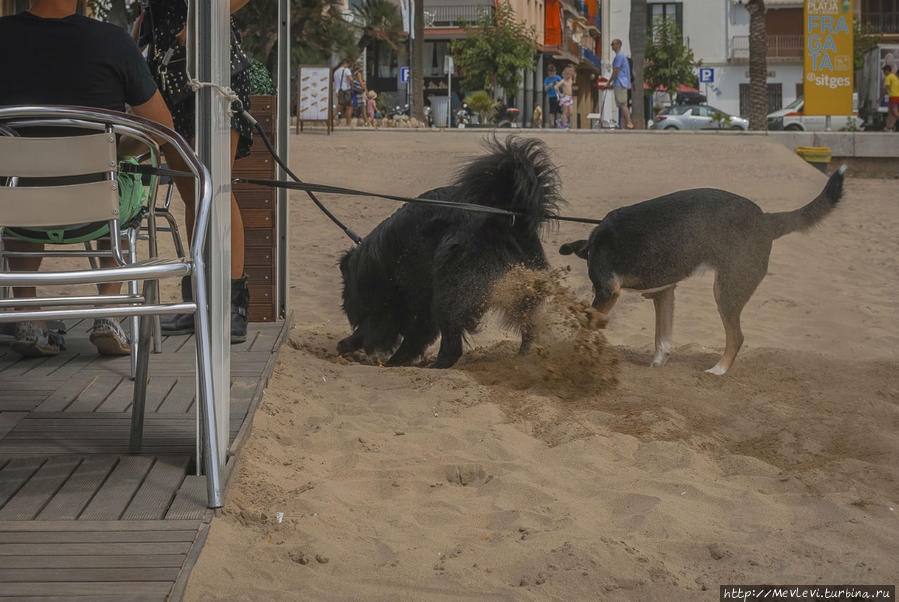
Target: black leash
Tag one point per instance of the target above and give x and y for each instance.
(346, 230)
(351, 192)
(149, 170)
(405, 199)
(309, 189)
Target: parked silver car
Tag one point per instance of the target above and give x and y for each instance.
(697, 117)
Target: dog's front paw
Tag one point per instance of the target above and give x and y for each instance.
(717, 370)
(659, 360)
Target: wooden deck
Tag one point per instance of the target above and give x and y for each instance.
(79, 517)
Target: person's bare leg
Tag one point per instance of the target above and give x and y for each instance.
(892, 116)
(24, 264)
(109, 288)
(237, 234)
(626, 115)
(186, 190)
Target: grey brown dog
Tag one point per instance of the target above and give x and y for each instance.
(651, 246)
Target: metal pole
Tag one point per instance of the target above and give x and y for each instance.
(212, 44)
(283, 146)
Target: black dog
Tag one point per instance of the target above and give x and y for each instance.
(651, 246)
(429, 270)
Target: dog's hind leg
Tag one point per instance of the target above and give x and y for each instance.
(733, 288)
(352, 342)
(663, 301)
(450, 348)
(413, 346)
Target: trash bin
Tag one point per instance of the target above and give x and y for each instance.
(439, 108)
(817, 156)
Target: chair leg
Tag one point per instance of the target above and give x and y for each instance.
(91, 260)
(132, 289)
(206, 399)
(176, 233)
(141, 377)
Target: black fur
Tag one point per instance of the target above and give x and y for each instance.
(429, 270)
(659, 242)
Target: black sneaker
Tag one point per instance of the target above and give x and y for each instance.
(33, 341)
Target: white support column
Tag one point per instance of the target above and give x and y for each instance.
(212, 42)
(283, 147)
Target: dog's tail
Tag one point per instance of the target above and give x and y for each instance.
(804, 218)
(517, 175)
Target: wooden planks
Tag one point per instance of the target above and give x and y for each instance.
(39, 489)
(66, 560)
(79, 517)
(156, 493)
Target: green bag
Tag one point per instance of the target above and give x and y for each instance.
(132, 195)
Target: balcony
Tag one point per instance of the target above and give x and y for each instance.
(781, 48)
(444, 17)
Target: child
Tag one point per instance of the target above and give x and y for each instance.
(565, 90)
(370, 108)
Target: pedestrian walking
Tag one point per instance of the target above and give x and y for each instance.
(621, 82)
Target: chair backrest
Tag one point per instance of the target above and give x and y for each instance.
(62, 204)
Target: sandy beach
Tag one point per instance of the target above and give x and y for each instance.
(652, 484)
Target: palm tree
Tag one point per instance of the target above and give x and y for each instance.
(637, 36)
(758, 66)
(381, 23)
(417, 64)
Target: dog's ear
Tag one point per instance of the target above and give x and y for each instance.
(578, 247)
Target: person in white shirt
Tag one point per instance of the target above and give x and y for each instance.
(343, 86)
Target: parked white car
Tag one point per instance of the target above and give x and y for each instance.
(792, 119)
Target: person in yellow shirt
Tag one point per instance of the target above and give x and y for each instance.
(891, 90)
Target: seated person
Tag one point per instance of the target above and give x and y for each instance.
(62, 58)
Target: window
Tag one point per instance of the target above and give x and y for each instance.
(673, 11)
(775, 98)
(882, 15)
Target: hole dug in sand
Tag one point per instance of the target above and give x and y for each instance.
(570, 356)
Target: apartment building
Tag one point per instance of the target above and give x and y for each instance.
(718, 33)
(573, 36)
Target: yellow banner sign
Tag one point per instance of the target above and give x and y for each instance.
(828, 80)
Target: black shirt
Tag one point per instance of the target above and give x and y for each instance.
(70, 61)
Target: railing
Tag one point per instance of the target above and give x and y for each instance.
(779, 46)
(581, 7)
(437, 17)
(587, 54)
(885, 22)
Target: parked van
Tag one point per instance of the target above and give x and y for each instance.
(792, 119)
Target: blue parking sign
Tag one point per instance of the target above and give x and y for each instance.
(706, 75)
(404, 74)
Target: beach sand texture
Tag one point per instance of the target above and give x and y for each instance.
(493, 480)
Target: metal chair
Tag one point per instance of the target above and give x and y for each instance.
(55, 205)
(130, 234)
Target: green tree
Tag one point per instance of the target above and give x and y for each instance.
(495, 51)
(481, 103)
(317, 30)
(381, 23)
(668, 62)
(864, 38)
